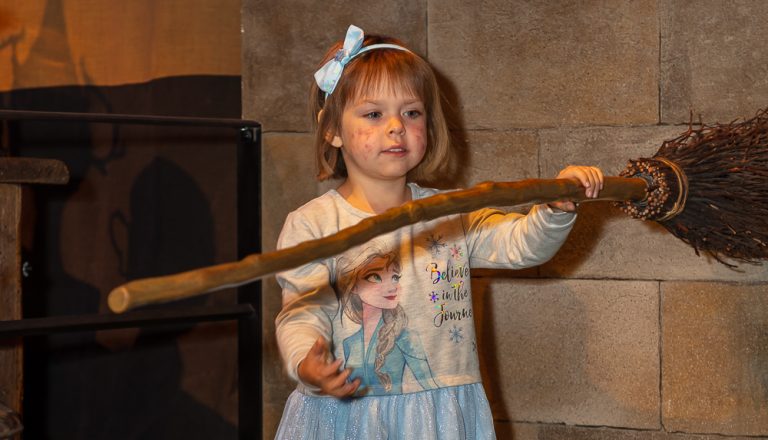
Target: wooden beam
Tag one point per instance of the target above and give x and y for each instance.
(32, 170)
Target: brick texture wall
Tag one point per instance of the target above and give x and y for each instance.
(626, 333)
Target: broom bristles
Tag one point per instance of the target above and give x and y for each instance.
(725, 212)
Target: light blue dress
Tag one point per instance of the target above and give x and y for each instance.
(459, 412)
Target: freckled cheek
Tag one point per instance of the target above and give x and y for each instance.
(418, 134)
(363, 136)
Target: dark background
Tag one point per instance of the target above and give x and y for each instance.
(142, 200)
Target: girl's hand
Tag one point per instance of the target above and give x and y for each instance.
(315, 370)
(591, 178)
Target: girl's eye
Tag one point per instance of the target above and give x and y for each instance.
(396, 278)
(413, 114)
(373, 278)
(372, 115)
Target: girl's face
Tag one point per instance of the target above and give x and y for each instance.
(383, 135)
(379, 285)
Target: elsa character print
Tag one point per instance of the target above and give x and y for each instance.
(369, 293)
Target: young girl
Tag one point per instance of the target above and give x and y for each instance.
(382, 343)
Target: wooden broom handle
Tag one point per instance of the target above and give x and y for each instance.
(207, 279)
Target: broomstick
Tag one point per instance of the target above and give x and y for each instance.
(708, 187)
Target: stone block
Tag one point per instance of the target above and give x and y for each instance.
(288, 181)
(284, 42)
(273, 412)
(714, 61)
(606, 243)
(537, 64)
(579, 352)
(715, 358)
(500, 156)
(606, 147)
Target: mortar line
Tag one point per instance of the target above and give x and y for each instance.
(538, 153)
(426, 30)
(658, 84)
(630, 429)
(661, 357)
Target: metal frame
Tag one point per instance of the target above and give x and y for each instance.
(248, 310)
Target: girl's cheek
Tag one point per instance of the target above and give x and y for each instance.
(417, 130)
(363, 136)
(363, 133)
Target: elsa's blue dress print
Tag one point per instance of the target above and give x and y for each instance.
(407, 351)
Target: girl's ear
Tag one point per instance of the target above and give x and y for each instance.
(335, 141)
(331, 138)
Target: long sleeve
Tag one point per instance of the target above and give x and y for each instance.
(510, 240)
(308, 299)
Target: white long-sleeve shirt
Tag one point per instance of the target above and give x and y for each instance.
(411, 290)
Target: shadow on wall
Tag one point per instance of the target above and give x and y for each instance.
(89, 391)
(75, 385)
(456, 177)
(536, 349)
(527, 354)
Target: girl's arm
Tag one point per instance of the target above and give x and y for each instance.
(496, 239)
(308, 302)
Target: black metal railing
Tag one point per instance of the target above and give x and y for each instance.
(248, 310)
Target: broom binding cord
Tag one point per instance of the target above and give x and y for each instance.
(682, 189)
(666, 182)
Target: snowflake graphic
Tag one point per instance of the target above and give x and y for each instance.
(433, 297)
(457, 285)
(456, 252)
(435, 245)
(456, 334)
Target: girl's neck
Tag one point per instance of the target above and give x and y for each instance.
(375, 197)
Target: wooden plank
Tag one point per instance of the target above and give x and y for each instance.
(30, 170)
(11, 355)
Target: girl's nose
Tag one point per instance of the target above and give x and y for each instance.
(396, 126)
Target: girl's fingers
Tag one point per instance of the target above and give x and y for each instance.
(582, 175)
(338, 381)
(339, 386)
(350, 388)
(592, 190)
(592, 180)
(330, 369)
(347, 389)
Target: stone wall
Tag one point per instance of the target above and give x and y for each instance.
(626, 333)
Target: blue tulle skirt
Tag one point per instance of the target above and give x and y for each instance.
(460, 412)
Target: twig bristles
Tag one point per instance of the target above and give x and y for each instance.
(726, 166)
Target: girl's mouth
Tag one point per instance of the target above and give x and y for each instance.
(391, 298)
(395, 150)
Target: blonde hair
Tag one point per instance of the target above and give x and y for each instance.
(400, 71)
